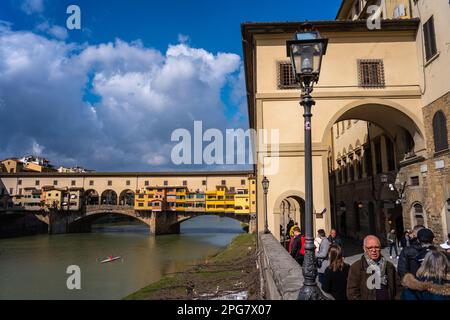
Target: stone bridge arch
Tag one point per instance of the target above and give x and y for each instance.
(84, 222)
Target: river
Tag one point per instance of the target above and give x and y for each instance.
(35, 267)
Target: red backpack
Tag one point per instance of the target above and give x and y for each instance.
(302, 241)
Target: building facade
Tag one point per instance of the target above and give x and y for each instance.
(362, 79)
(422, 182)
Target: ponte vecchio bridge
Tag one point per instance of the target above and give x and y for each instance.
(85, 197)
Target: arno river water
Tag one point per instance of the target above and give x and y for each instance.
(35, 267)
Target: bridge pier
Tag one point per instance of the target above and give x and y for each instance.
(60, 222)
(164, 223)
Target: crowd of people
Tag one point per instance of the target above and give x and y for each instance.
(422, 273)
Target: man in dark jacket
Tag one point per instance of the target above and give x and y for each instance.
(373, 277)
(411, 257)
(334, 238)
(296, 246)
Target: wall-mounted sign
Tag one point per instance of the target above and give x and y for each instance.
(439, 164)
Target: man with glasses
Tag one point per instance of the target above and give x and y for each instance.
(373, 277)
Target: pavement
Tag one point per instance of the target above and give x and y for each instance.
(353, 250)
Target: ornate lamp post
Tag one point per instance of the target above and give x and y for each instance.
(306, 51)
(265, 184)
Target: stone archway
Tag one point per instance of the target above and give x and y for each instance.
(126, 198)
(109, 197)
(375, 152)
(384, 113)
(293, 201)
(92, 197)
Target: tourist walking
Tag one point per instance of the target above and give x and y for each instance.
(322, 254)
(336, 274)
(317, 241)
(411, 257)
(335, 239)
(297, 253)
(392, 239)
(384, 282)
(432, 280)
(405, 239)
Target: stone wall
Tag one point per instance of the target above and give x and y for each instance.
(434, 182)
(282, 275)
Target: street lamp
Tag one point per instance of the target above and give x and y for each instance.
(265, 184)
(306, 52)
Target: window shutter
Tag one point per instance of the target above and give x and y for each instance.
(440, 132)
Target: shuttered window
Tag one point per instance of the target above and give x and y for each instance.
(430, 39)
(371, 73)
(440, 132)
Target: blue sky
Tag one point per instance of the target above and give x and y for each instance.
(115, 90)
(210, 24)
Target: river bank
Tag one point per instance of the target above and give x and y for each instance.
(231, 271)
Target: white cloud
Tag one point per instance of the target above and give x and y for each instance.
(54, 31)
(5, 25)
(144, 95)
(32, 6)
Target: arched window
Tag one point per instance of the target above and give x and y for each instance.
(440, 132)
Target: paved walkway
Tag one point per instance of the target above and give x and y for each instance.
(353, 251)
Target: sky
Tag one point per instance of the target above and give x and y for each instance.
(109, 96)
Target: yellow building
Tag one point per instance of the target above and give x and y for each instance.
(252, 195)
(215, 200)
(195, 201)
(53, 198)
(12, 165)
(181, 198)
(152, 198)
(242, 201)
(229, 202)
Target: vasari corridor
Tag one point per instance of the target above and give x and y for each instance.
(220, 159)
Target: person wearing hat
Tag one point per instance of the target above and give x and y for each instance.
(411, 258)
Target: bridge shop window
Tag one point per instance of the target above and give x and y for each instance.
(166, 183)
(19, 182)
(285, 77)
(242, 182)
(371, 73)
(37, 182)
(184, 183)
(224, 182)
(128, 182)
(73, 182)
(55, 182)
(204, 183)
(109, 183)
(147, 183)
(91, 182)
